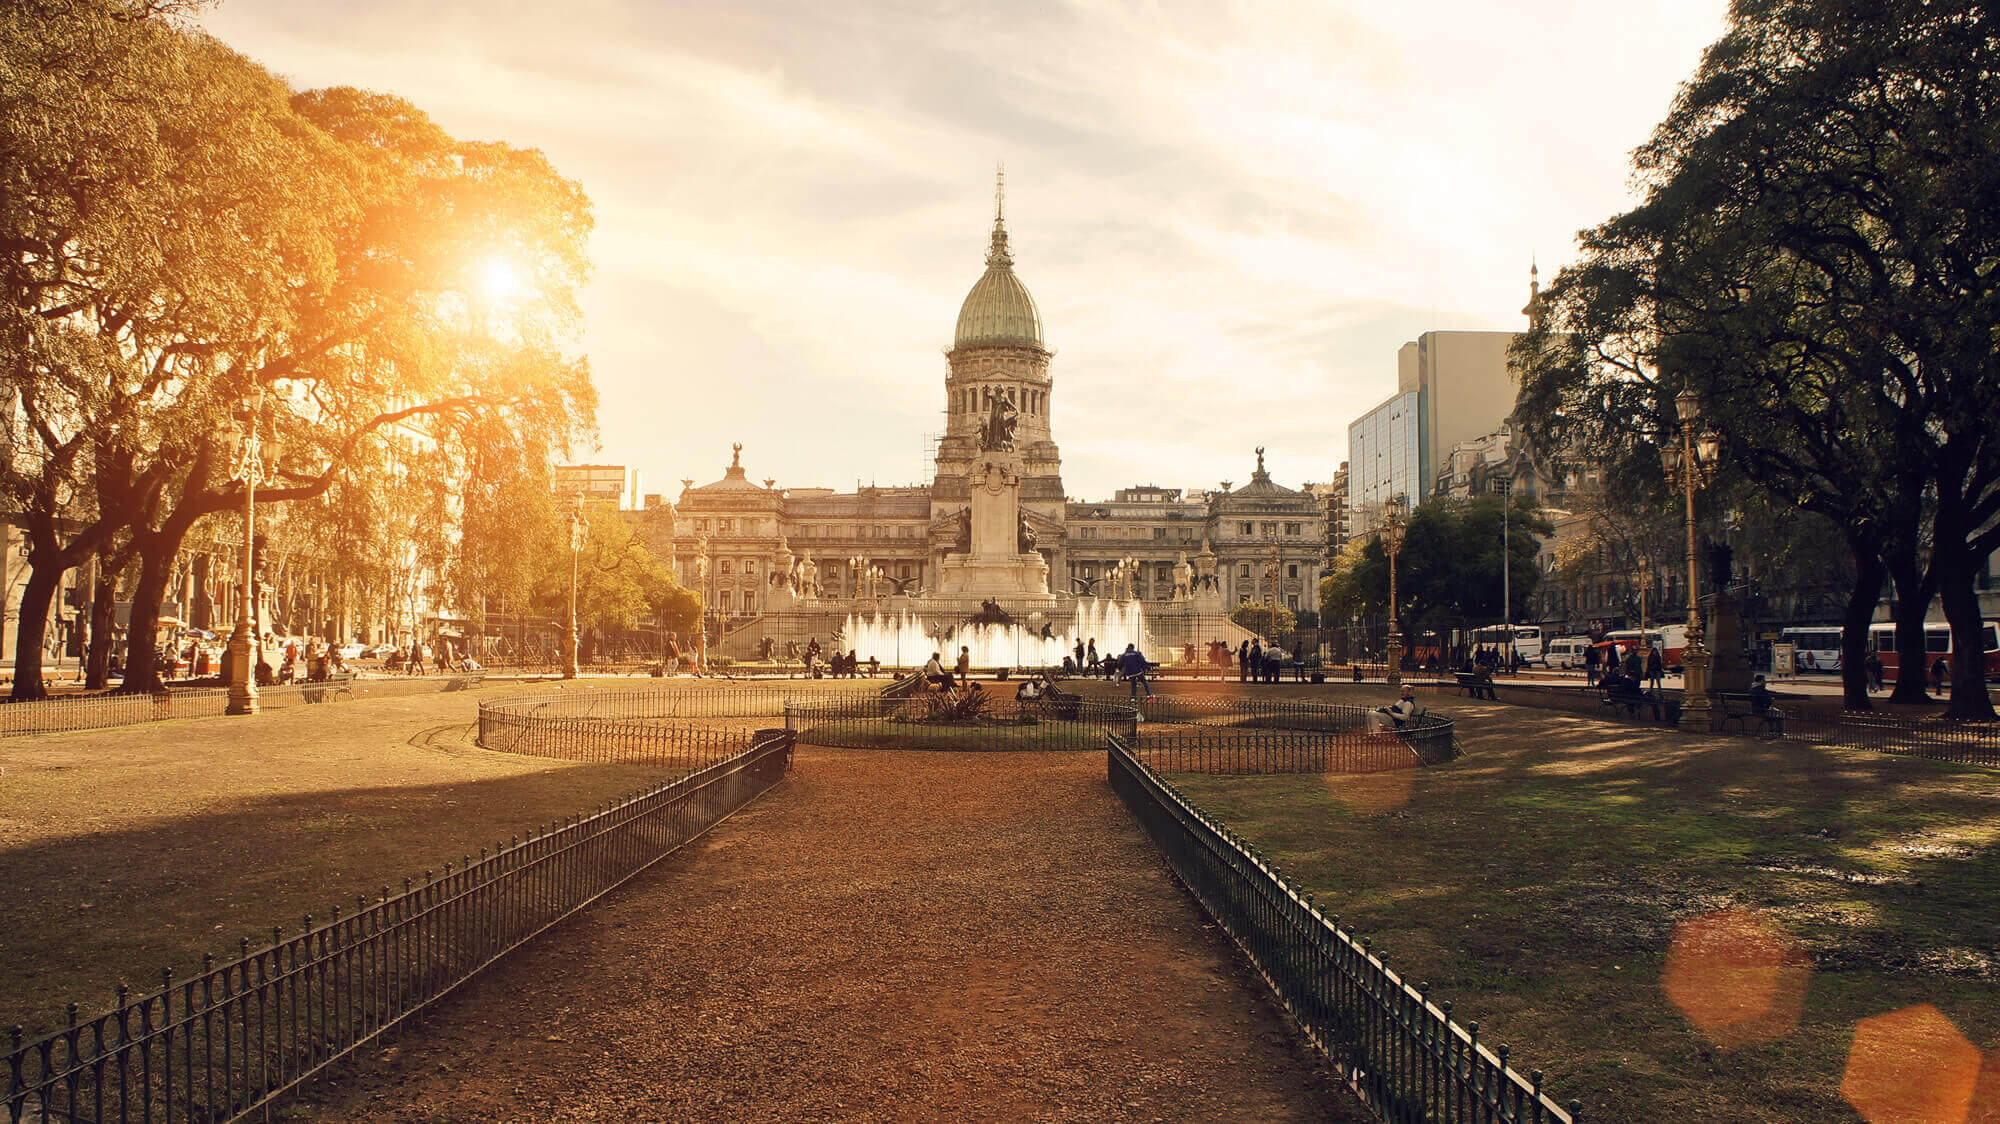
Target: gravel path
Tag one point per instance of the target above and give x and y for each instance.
(885, 935)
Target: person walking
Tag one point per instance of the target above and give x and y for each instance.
(1873, 667)
(1092, 661)
(1133, 666)
(964, 666)
(1257, 661)
(1591, 656)
(1940, 676)
(415, 664)
(1656, 668)
(1079, 653)
(1243, 662)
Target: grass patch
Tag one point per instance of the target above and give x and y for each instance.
(131, 849)
(1541, 881)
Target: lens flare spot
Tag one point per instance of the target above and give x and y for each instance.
(1737, 977)
(1911, 1067)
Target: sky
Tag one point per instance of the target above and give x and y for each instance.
(1230, 214)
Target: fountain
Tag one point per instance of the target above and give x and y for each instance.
(904, 638)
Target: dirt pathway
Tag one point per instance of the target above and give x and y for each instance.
(886, 935)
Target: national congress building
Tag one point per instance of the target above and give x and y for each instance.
(1260, 542)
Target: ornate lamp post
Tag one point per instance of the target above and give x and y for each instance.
(855, 567)
(240, 659)
(1392, 542)
(578, 529)
(701, 595)
(1690, 465)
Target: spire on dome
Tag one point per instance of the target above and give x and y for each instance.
(997, 254)
(1534, 309)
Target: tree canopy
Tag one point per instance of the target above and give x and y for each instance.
(1815, 261)
(197, 252)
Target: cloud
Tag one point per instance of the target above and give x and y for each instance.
(1230, 213)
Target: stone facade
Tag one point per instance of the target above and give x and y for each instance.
(754, 536)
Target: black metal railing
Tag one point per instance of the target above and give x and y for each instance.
(1207, 734)
(936, 720)
(104, 711)
(1973, 743)
(1397, 1048)
(235, 1036)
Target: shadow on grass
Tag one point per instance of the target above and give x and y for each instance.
(86, 912)
(1540, 880)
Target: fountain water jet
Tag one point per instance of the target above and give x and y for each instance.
(906, 638)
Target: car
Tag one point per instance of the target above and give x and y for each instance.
(378, 652)
(351, 651)
(1566, 651)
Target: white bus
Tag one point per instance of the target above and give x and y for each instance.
(1526, 639)
(1815, 648)
(1671, 639)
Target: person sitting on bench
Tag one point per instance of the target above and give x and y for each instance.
(1760, 698)
(1396, 714)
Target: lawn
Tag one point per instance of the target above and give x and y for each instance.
(1544, 882)
(127, 850)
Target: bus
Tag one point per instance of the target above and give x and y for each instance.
(1671, 639)
(1937, 642)
(1815, 648)
(1526, 639)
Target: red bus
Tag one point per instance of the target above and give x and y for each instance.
(1937, 642)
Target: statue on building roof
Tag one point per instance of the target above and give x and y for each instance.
(736, 455)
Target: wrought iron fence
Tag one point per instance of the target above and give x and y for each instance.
(1256, 735)
(236, 1036)
(936, 720)
(104, 711)
(1972, 743)
(1395, 1046)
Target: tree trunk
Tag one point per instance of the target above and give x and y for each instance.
(1913, 600)
(1862, 598)
(1956, 590)
(142, 655)
(37, 596)
(103, 609)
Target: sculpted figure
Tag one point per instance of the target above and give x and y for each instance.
(997, 435)
(1183, 578)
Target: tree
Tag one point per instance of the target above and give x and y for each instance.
(1452, 571)
(378, 358)
(1275, 623)
(1814, 261)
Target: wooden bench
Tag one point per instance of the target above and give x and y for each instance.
(1737, 708)
(1476, 685)
(465, 680)
(336, 684)
(1632, 698)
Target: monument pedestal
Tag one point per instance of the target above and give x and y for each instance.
(998, 561)
(1014, 576)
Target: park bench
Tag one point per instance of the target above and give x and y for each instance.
(1479, 687)
(465, 680)
(332, 687)
(1737, 708)
(1632, 697)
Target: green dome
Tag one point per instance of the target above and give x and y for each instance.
(998, 312)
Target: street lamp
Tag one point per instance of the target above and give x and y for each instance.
(1392, 542)
(1505, 490)
(701, 595)
(578, 528)
(1690, 465)
(251, 457)
(855, 566)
